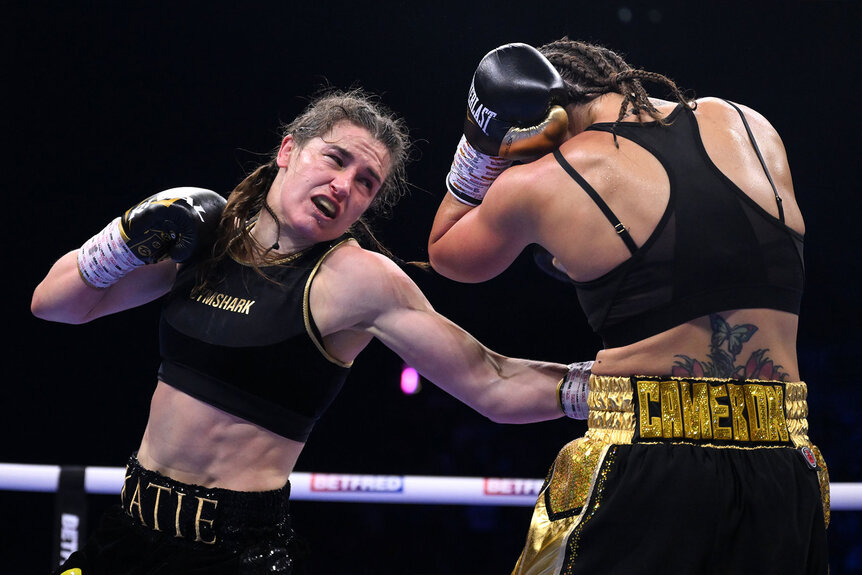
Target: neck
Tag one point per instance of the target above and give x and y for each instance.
(604, 108)
(268, 233)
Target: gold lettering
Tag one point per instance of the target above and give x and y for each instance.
(136, 501)
(123, 490)
(719, 411)
(648, 391)
(690, 423)
(178, 533)
(777, 423)
(701, 409)
(159, 489)
(224, 301)
(756, 401)
(199, 519)
(671, 414)
(737, 412)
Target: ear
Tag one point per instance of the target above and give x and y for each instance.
(287, 146)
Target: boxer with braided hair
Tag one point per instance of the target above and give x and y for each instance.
(677, 225)
(267, 299)
(589, 70)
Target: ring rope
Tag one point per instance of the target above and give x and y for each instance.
(306, 486)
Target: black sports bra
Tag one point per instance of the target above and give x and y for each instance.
(249, 346)
(714, 248)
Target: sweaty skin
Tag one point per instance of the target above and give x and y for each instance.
(538, 202)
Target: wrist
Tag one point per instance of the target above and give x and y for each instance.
(105, 258)
(472, 173)
(574, 389)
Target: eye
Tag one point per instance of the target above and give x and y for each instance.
(335, 158)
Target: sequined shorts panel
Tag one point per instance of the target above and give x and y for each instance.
(629, 498)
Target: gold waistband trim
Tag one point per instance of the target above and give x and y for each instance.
(703, 411)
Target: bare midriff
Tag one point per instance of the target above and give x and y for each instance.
(196, 443)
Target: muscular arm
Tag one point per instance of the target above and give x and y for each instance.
(476, 244)
(127, 259)
(377, 298)
(62, 296)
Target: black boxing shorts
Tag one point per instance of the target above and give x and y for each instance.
(684, 476)
(167, 527)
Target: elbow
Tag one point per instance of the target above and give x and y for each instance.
(38, 307)
(449, 268)
(509, 417)
(438, 261)
(501, 412)
(502, 418)
(41, 308)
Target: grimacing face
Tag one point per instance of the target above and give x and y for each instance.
(330, 181)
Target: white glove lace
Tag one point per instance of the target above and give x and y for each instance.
(105, 258)
(574, 390)
(472, 173)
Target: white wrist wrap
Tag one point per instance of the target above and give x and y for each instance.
(105, 258)
(575, 389)
(472, 173)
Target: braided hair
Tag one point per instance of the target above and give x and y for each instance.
(590, 70)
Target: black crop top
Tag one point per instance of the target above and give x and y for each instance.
(249, 346)
(714, 248)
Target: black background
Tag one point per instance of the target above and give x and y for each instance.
(108, 102)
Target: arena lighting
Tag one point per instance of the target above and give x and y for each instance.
(410, 380)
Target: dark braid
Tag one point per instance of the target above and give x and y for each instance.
(244, 203)
(589, 70)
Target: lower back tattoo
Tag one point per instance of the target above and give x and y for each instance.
(725, 346)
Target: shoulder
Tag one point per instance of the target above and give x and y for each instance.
(590, 153)
(588, 150)
(718, 109)
(351, 260)
(362, 279)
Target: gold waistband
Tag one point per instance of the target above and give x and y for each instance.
(704, 411)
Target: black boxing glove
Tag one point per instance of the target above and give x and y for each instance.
(514, 113)
(178, 223)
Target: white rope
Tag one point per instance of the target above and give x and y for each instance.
(360, 488)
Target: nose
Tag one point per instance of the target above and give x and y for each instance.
(340, 184)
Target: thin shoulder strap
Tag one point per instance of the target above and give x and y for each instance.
(612, 218)
(762, 161)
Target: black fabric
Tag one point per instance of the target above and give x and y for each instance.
(245, 347)
(714, 511)
(253, 534)
(760, 158)
(714, 249)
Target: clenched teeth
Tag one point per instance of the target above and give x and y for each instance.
(325, 205)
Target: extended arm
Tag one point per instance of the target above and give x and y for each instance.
(365, 292)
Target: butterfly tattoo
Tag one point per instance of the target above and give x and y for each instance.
(725, 345)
